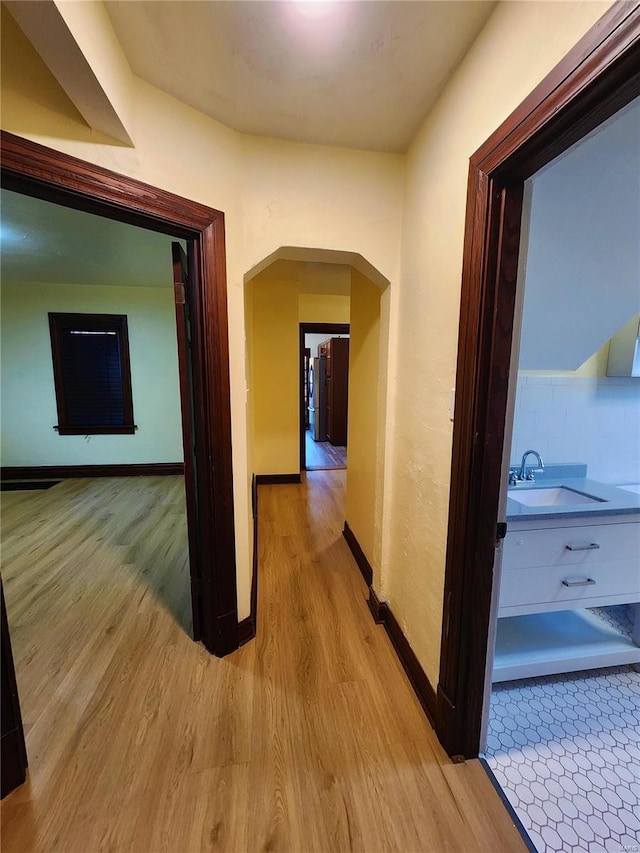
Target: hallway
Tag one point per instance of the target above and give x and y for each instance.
(307, 739)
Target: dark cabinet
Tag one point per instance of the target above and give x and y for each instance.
(336, 354)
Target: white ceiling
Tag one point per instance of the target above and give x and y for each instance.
(343, 72)
(46, 243)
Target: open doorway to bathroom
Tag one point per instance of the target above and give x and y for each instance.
(324, 395)
(561, 732)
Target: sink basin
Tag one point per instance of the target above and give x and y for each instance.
(557, 496)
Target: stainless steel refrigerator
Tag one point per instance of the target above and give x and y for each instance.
(317, 399)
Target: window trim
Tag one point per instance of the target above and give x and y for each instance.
(58, 324)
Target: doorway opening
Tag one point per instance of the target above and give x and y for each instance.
(91, 395)
(92, 365)
(598, 77)
(199, 292)
(565, 693)
(324, 395)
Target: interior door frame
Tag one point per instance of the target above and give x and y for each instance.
(312, 329)
(34, 170)
(598, 77)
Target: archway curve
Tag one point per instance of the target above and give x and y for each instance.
(307, 254)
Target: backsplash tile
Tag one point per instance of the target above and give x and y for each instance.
(595, 419)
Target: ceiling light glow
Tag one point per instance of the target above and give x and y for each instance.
(320, 28)
(315, 9)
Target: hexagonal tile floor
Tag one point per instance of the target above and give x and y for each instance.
(566, 751)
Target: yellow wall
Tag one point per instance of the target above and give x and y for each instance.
(323, 308)
(275, 308)
(520, 43)
(28, 394)
(363, 435)
(275, 377)
(249, 401)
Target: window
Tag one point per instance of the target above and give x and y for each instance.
(92, 373)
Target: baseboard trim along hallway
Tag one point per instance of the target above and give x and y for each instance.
(277, 479)
(358, 554)
(383, 615)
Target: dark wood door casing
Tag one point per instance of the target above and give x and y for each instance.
(304, 329)
(183, 298)
(599, 76)
(35, 170)
(13, 751)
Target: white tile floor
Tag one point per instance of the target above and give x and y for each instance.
(566, 751)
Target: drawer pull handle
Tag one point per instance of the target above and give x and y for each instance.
(585, 582)
(592, 546)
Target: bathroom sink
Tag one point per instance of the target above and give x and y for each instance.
(558, 496)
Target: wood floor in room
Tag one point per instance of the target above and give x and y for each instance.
(307, 739)
(322, 455)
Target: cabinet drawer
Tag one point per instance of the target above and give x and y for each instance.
(572, 546)
(543, 584)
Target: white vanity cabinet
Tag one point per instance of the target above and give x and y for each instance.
(550, 575)
(568, 567)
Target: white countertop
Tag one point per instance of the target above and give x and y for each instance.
(612, 500)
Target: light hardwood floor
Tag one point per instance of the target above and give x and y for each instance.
(307, 739)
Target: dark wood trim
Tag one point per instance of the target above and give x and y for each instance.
(247, 627)
(59, 323)
(598, 77)
(383, 615)
(27, 485)
(277, 479)
(246, 630)
(325, 328)
(311, 329)
(14, 770)
(378, 608)
(358, 554)
(64, 472)
(13, 751)
(255, 559)
(96, 429)
(573, 99)
(34, 170)
(182, 297)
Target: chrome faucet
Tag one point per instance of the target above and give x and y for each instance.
(523, 474)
